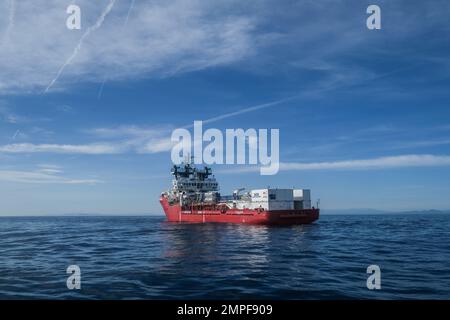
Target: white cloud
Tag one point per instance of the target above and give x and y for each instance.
(402, 161)
(376, 163)
(421, 144)
(156, 146)
(138, 139)
(49, 166)
(127, 131)
(160, 38)
(122, 139)
(61, 148)
(43, 175)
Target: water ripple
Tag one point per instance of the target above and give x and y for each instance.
(145, 257)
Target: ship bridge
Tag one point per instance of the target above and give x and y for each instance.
(190, 179)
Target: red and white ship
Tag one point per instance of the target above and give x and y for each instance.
(195, 197)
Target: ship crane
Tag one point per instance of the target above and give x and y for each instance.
(236, 193)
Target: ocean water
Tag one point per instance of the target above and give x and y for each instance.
(148, 258)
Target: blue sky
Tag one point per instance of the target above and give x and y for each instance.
(364, 115)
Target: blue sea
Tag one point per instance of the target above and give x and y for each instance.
(148, 258)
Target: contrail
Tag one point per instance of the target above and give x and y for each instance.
(129, 11)
(12, 14)
(15, 134)
(97, 25)
(245, 110)
(250, 109)
(100, 92)
(302, 94)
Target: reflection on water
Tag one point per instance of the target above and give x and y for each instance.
(210, 247)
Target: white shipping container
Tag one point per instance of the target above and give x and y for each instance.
(272, 194)
(298, 194)
(302, 194)
(272, 199)
(281, 194)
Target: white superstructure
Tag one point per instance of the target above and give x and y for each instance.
(193, 186)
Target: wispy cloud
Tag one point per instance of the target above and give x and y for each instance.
(126, 131)
(376, 163)
(163, 38)
(129, 11)
(11, 18)
(138, 139)
(421, 143)
(9, 116)
(115, 140)
(402, 161)
(61, 148)
(42, 175)
(124, 139)
(64, 108)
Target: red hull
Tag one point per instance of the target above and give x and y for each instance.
(175, 213)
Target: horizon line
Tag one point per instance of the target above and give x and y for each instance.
(365, 211)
